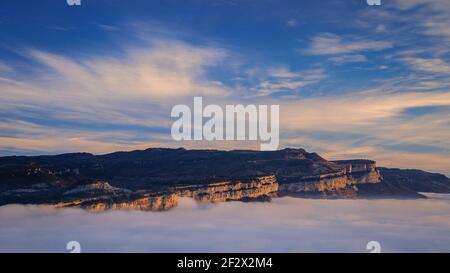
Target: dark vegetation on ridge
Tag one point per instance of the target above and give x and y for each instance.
(161, 166)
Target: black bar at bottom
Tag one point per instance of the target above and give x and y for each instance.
(222, 262)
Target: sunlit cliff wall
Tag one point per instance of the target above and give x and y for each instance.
(148, 203)
(216, 192)
(354, 173)
(225, 191)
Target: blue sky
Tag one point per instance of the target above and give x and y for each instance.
(352, 80)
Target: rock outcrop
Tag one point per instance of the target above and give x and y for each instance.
(343, 182)
(227, 191)
(147, 203)
(259, 188)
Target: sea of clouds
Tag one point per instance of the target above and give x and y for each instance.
(284, 225)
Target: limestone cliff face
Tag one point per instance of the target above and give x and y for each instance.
(225, 191)
(354, 172)
(147, 203)
(100, 196)
(216, 192)
(372, 176)
(319, 185)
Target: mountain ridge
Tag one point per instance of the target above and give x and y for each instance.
(136, 174)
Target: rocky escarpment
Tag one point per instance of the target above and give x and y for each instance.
(342, 183)
(145, 202)
(100, 196)
(398, 183)
(152, 171)
(154, 179)
(259, 188)
(417, 180)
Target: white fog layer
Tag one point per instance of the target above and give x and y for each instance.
(284, 225)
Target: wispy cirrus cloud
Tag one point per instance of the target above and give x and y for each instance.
(5, 68)
(356, 58)
(392, 124)
(163, 69)
(432, 15)
(432, 65)
(103, 103)
(291, 22)
(332, 44)
(96, 88)
(108, 27)
(282, 79)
